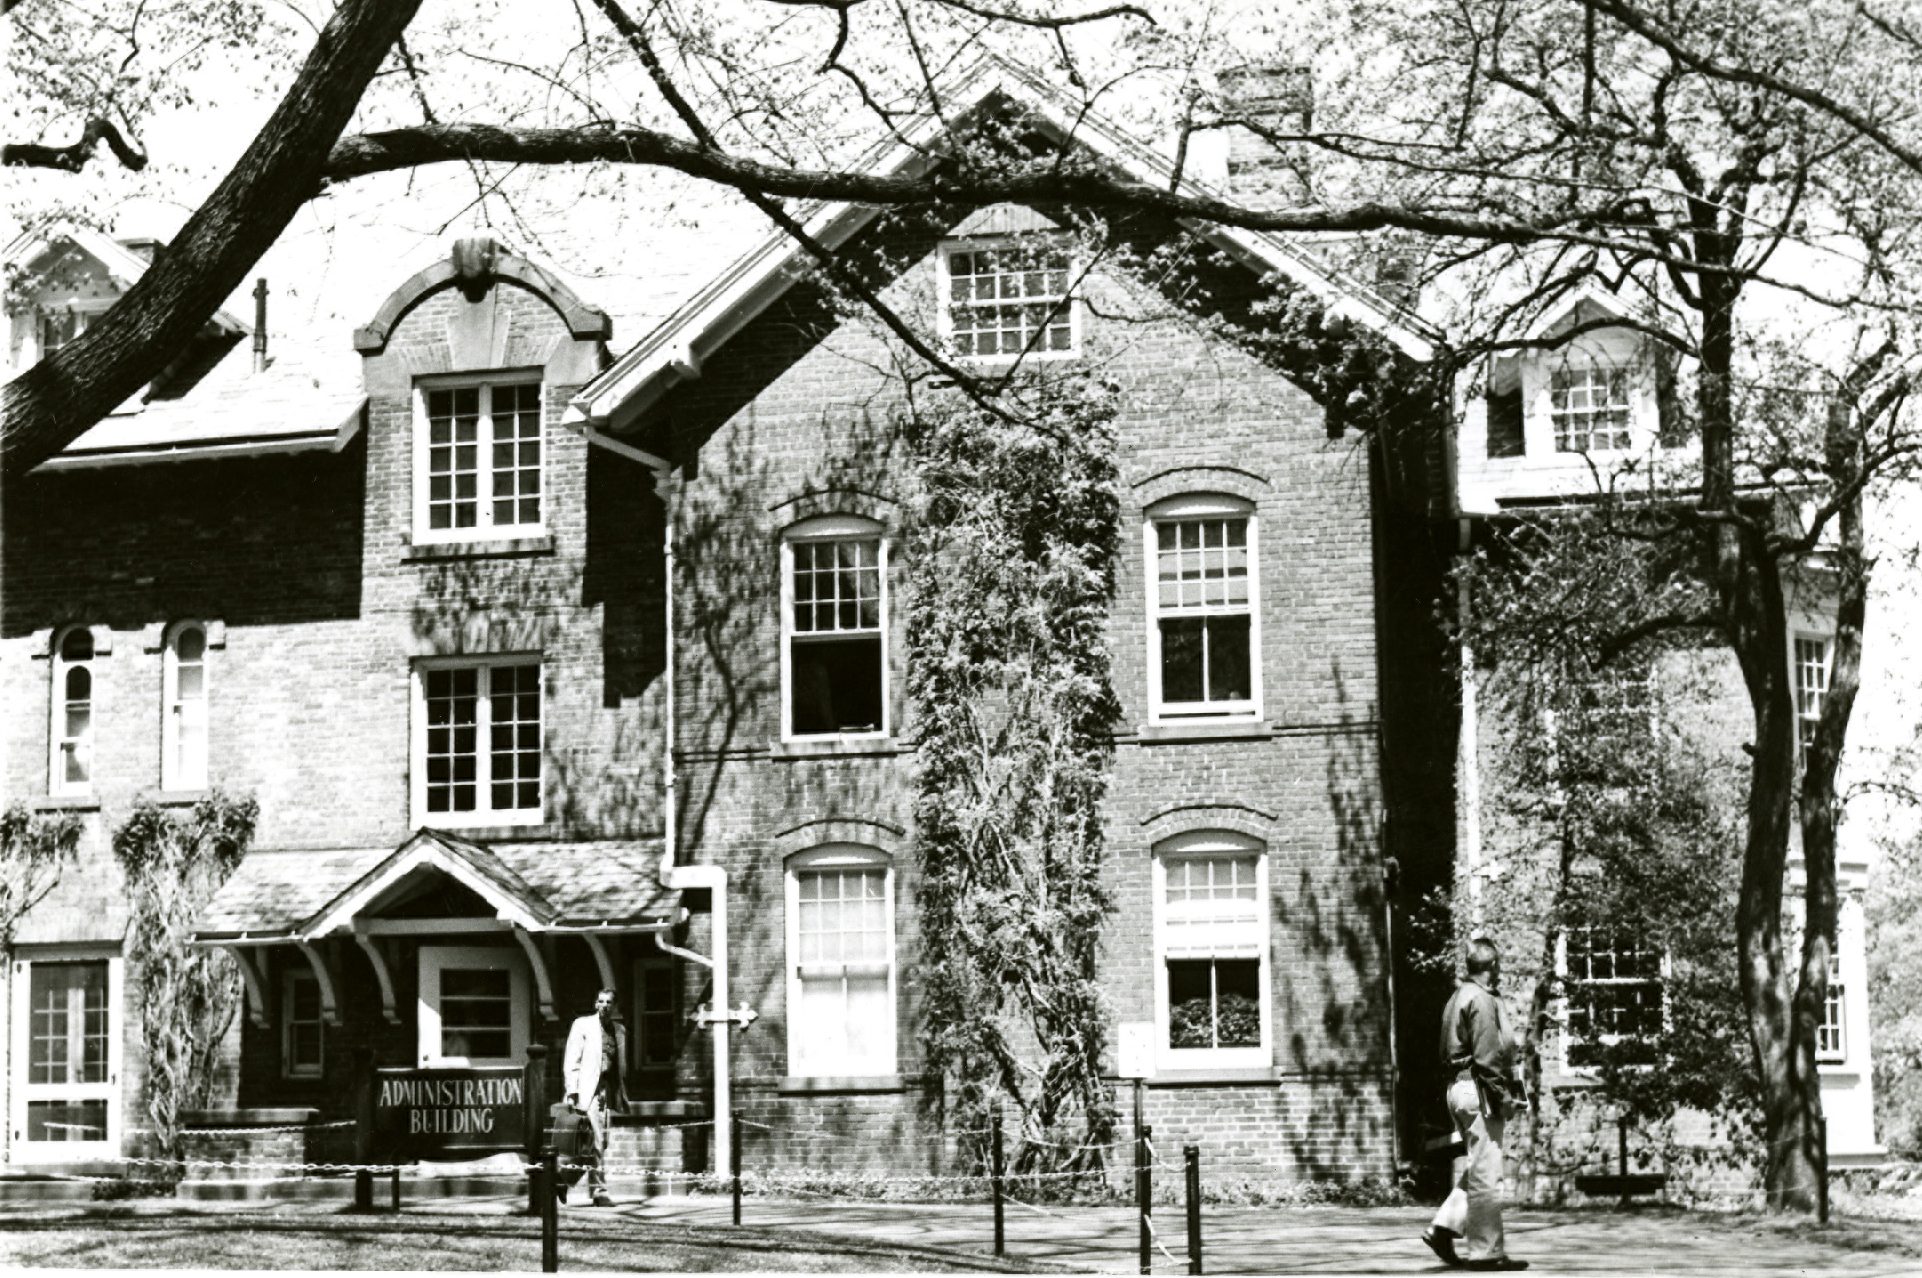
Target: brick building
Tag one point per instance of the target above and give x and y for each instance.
(422, 612)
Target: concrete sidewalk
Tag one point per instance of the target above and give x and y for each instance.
(1332, 1240)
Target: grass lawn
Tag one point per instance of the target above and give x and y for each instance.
(303, 1237)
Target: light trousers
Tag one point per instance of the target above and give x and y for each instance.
(1473, 1208)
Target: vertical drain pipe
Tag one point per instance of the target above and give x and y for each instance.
(260, 325)
(1470, 752)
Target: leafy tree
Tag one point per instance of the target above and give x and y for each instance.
(1011, 565)
(187, 997)
(34, 849)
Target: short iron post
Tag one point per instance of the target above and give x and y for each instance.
(396, 1186)
(550, 1213)
(996, 1169)
(534, 1119)
(1621, 1154)
(734, 1162)
(1822, 1170)
(1144, 1195)
(1191, 1158)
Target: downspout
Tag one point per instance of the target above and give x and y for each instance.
(1469, 753)
(709, 878)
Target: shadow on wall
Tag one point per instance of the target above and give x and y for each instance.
(253, 541)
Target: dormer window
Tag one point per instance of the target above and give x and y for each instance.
(1589, 409)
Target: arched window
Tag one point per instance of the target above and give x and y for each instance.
(834, 627)
(183, 756)
(73, 701)
(1211, 933)
(1204, 629)
(840, 946)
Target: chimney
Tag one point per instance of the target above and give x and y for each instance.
(143, 247)
(1277, 98)
(260, 325)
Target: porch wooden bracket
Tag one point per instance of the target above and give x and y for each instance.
(255, 987)
(598, 948)
(543, 984)
(324, 975)
(371, 948)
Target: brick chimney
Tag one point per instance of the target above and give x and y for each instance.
(1275, 98)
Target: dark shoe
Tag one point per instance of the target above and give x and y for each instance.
(1441, 1241)
(602, 1200)
(1504, 1264)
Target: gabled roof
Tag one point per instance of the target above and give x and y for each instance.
(289, 895)
(122, 264)
(674, 351)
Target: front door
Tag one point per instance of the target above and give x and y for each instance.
(66, 1059)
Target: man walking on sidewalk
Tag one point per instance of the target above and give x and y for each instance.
(1478, 1060)
(594, 1077)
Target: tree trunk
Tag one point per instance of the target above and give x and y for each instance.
(50, 404)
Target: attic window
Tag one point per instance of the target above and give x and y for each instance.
(1589, 409)
(57, 328)
(1005, 299)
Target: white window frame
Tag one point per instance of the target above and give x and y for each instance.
(1809, 698)
(642, 1015)
(20, 1149)
(1834, 999)
(801, 1063)
(834, 528)
(177, 773)
(1628, 375)
(1188, 507)
(57, 739)
(485, 814)
(437, 959)
(296, 973)
(1568, 1038)
(1255, 942)
(944, 297)
(484, 529)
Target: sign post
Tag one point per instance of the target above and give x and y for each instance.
(1137, 1057)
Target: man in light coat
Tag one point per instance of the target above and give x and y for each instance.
(594, 1076)
(1478, 1060)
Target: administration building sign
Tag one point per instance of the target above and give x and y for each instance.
(430, 1113)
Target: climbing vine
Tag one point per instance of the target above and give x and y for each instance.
(1011, 565)
(187, 997)
(34, 849)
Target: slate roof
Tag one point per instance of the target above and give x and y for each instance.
(277, 892)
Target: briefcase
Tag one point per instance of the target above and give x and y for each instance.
(569, 1132)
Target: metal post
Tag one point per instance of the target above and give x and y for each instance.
(1141, 1158)
(550, 1213)
(534, 1120)
(996, 1168)
(1822, 1170)
(397, 1189)
(1144, 1197)
(363, 1128)
(1191, 1158)
(1621, 1153)
(734, 1161)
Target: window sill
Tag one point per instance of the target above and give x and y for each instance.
(65, 803)
(1203, 730)
(494, 547)
(871, 1083)
(532, 832)
(172, 798)
(835, 747)
(1218, 1076)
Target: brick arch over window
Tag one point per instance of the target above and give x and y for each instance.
(831, 500)
(882, 836)
(1179, 480)
(1185, 818)
(474, 266)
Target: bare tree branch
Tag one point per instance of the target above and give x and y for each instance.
(74, 156)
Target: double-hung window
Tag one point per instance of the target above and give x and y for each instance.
(656, 1014)
(1613, 986)
(1009, 298)
(477, 729)
(478, 461)
(1831, 1037)
(1211, 940)
(834, 628)
(1589, 406)
(1811, 688)
(1203, 626)
(183, 758)
(840, 944)
(71, 768)
(303, 1033)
